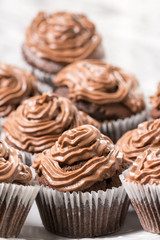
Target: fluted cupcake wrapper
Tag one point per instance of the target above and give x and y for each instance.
(116, 128)
(15, 203)
(43, 77)
(2, 120)
(44, 87)
(27, 157)
(82, 214)
(146, 201)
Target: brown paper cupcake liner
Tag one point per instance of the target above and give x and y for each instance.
(43, 77)
(82, 214)
(2, 120)
(115, 129)
(15, 203)
(48, 78)
(27, 157)
(146, 201)
(44, 87)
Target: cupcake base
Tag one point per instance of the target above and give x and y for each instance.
(146, 201)
(15, 203)
(80, 214)
(116, 128)
(27, 157)
(45, 70)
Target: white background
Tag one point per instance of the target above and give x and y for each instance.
(131, 38)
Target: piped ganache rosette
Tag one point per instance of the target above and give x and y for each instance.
(39, 121)
(55, 40)
(142, 186)
(79, 175)
(80, 160)
(155, 101)
(16, 194)
(15, 85)
(146, 168)
(104, 92)
(136, 141)
(12, 170)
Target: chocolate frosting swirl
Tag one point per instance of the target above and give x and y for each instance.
(15, 86)
(100, 83)
(146, 168)
(12, 170)
(89, 156)
(40, 120)
(136, 141)
(62, 37)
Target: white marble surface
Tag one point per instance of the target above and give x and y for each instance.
(131, 37)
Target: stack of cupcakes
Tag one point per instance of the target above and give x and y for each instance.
(55, 40)
(16, 193)
(15, 86)
(68, 133)
(106, 93)
(141, 152)
(142, 186)
(38, 122)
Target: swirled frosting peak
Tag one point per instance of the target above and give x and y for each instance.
(146, 168)
(40, 120)
(12, 170)
(97, 82)
(62, 37)
(138, 140)
(80, 158)
(15, 86)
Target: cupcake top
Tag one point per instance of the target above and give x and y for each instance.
(136, 141)
(101, 84)
(36, 124)
(155, 100)
(146, 168)
(15, 86)
(80, 158)
(62, 37)
(12, 170)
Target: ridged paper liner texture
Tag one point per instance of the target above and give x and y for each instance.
(15, 203)
(146, 201)
(44, 87)
(2, 120)
(82, 214)
(43, 77)
(27, 157)
(116, 128)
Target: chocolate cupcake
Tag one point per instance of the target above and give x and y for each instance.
(15, 86)
(81, 194)
(105, 92)
(55, 40)
(16, 194)
(134, 142)
(155, 100)
(39, 121)
(142, 184)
